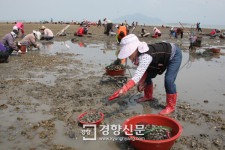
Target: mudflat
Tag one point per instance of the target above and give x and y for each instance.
(43, 92)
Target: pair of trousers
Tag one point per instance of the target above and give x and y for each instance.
(171, 73)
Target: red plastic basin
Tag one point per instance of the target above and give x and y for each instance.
(154, 36)
(215, 50)
(156, 120)
(97, 122)
(115, 72)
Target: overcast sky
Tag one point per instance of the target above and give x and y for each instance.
(170, 11)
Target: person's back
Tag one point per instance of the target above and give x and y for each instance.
(179, 31)
(5, 39)
(48, 33)
(213, 32)
(8, 41)
(80, 31)
(29, 38)
(157, 31)
(19, 26)
(122, 32)
(122, 29)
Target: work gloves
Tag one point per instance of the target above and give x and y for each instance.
(122, 91)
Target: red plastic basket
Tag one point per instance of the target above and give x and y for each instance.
(156, 120)
(97, 122)
(215, 50)
(154, 36)
(115, 72)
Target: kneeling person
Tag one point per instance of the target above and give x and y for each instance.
(48, 34)
(30, 39)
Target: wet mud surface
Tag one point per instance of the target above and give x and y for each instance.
(42, 93)
(91, 117)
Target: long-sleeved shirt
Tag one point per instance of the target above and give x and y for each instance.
(157, 31)
(8, 40)
(48, 33)
(20, 26)
(144, 60)
(30, 38)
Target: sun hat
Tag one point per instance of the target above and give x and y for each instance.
(129, 44)
(37, 34)
(42, 27)
(154, 28)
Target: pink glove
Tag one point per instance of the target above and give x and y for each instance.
(123, 91)
(141, 83)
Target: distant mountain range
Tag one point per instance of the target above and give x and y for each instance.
(141, 19)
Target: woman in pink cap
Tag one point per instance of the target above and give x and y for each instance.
(151, 60)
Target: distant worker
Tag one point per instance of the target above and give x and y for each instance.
(172, 32)
(108, 27)
(99, 22)
(179, 31)
(157, 32)
(19, 26)
(30, 39)
(214, 32)
(8, 41)
(144, 33)
(81, 31)
(199, 27)
(122, 32)
(48, 34)
(222, 36)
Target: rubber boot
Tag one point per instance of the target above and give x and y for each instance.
(148, 93)
(171, 102)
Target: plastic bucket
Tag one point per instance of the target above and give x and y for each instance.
(23, 49)
(97, 122)
(156, 120)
